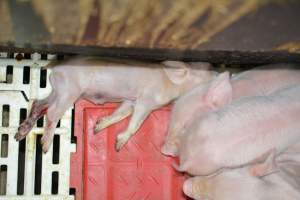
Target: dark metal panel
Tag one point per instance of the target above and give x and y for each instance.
(218, 57)
(232, 31)
(27, 25)
(276, 26)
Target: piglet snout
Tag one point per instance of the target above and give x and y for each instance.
(188, 187)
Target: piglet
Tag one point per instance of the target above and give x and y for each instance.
(206, 98)
(141, 87)
(239, 184)
(249, 131)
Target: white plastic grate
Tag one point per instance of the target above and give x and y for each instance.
(16, 93)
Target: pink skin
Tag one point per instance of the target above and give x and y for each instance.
(258, 82)
(249, 131)
(141, 87)
(281, 185)
(238, 184)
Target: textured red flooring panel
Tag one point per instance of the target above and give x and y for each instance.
(138, 172)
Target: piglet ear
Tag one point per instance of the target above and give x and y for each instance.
(219, 93)
(176, 71)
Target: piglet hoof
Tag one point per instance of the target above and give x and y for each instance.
(188, 188)
(46, 143)
(169, 150)
(19, 137)
(121, 141)
(45, 147)
(23, 130)
(97, 129)
(100, 125)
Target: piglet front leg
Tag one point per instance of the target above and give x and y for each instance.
(124, 110)
(141, 111)
(56, 110)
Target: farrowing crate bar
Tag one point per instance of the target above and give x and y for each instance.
(25, 172)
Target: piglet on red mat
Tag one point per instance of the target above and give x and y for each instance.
(141, 87)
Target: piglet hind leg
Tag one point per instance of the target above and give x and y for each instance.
(55, 111)
(141, 111)
(38, 109)
(123, 111)
(48, 135)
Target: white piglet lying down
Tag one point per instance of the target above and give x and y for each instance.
(240, 185)
(209, 97)
(141, 87)
(249, 131)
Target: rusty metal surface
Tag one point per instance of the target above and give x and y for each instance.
(174, 28)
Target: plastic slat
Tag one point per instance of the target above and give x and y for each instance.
(10, 94)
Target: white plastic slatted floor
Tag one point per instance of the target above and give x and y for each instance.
(30, 175)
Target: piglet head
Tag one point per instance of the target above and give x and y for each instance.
(195, 153)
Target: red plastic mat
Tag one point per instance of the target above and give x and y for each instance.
(138, 172)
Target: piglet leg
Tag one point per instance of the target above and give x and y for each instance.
(55, 111)
(123, 111)
(141, 111)
(38, 109)
(48, 135)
